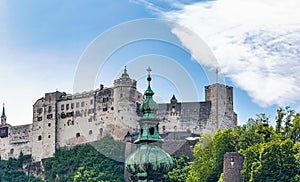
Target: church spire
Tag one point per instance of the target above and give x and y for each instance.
(149, 162)
(3, 116)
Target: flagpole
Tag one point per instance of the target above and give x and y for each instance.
(217, 72)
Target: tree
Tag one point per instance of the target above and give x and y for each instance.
(203, 163)
(181, 169)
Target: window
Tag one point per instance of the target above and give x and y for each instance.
(40, 118)
(104, 109)
(49, 136)
(77, 113)
(12, 151)
(77, 135)
(49, 124)
(72, 105)
(49, 116)
(82, 104)
(105, 99)
(91, 101)
(49, 109)
(90, 132)
(40, 110)
(62, 107)
(39, 138)
(101, 131)
(70, 114)
(112, 108)
(77, 104)
(151, 130)
(67, 106)
(63, 115)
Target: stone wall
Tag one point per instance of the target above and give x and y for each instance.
(232, 166)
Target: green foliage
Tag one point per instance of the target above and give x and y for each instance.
(110, 148)
(181, 168)
(203, 163)
(82, 163)
(11, 170)
(269, 154)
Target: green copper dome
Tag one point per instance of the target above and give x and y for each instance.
(149, 160)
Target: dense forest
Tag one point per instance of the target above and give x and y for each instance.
(271, 153)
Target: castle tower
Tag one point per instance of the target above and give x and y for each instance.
(44, 126)
(124, 101)
(149, 162)
(222, 114)
(3, 117)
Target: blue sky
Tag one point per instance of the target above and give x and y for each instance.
(256, 44)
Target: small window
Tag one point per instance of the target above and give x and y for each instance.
(77, 104)
(63, 115)
(62, 107)
(12, 151)
(90, 132)
(112, 108)
(40, 110)
(49, 124)
(72, 105)
(50, 109)
(40, 118)
(91, 101)
(77, 135)
(67, 106)
(77, 113)
(104, 109)
(82, 104)
(49, 136)
(151, 130)
(39, 138)
(101, 131)
(49, 116)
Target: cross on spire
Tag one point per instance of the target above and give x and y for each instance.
(149, 77)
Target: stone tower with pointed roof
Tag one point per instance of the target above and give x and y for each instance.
(3, 116)
(149, 162)
(124, 105)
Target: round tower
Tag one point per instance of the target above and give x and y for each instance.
(124, 104)
(124, 90)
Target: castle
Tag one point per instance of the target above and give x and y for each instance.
(65, 120)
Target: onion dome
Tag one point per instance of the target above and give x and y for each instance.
(149, 106)
(149, 162)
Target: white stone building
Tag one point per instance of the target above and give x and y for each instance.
(64, 120)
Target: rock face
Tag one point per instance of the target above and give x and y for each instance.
(65, 120)
(232, 166)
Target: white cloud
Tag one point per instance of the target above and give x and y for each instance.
(257, 44)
